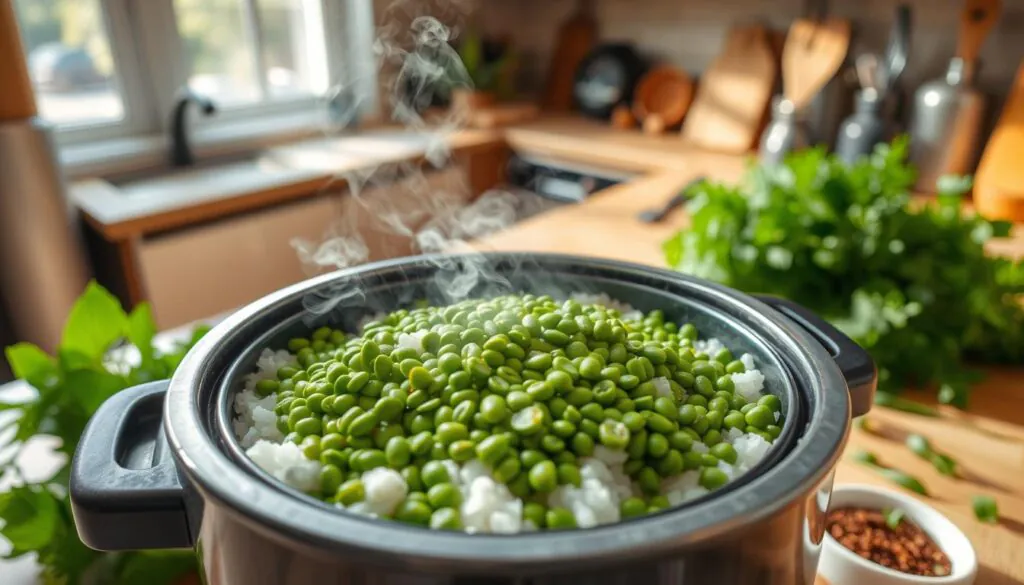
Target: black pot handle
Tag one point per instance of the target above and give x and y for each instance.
(125, 491)
(854, 361)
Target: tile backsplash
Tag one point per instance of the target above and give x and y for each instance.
(690, 33)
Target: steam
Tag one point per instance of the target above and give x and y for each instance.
(401, 208)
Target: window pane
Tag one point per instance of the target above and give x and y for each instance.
(219, 44)
(70, 61)
(294, 52)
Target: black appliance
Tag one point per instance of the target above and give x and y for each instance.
(606, 78)
(541, 184)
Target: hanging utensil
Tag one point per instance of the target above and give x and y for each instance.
(896, 51)
(814, 52)
(945, 129)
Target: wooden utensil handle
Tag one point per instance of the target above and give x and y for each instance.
(977, 19)
(17, 100)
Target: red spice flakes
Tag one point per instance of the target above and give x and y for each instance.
(906, 549)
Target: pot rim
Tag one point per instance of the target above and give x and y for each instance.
(279, 513)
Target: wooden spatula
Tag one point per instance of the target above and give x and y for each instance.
(977, 19)
(813, 54)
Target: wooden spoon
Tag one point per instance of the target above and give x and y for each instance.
(813, 54)
(977, 19)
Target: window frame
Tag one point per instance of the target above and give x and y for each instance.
(141, 41)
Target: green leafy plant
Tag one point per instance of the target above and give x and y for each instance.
(909, 282)
(487, 72)
(69, 387)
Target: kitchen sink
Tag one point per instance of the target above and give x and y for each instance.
(368, 148)
(201, 166)
(256, 170)
(209, 178)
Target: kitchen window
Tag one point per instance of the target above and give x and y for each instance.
(107, 72)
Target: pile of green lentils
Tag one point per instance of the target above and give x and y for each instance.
(527, 385)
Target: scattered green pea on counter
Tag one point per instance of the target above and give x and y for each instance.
(528, 386)
(985, 509)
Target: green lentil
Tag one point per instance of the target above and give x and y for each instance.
(559, 518)
(446, 519)
(444, 495)
(527, 386)
(543, 476)
(713, 478)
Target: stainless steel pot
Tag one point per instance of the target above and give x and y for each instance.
(159, 466)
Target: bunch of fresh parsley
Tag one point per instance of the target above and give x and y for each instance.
(36, 516)
(908, 281)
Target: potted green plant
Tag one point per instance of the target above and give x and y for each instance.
(488, 66)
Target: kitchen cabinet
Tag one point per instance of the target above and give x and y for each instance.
(197, 243)
(203, 271)
(198, 271)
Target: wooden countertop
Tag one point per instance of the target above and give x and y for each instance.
(987, 441)
(182, 197)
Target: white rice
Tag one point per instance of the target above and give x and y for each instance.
(256, 418)
(662, 386)
(627, 312)
(287, 463)
(412, 340)
(748, 361)
(708, 346)
(749, 384)
(487, 505)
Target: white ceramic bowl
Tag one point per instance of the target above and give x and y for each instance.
(840, 566)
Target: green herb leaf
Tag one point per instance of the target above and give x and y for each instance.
(96, 321)
(156, 567)
(919, 445)
(894, 517)
(903, 480)
(91, 388)
(945, 464)
(141, 330)
(865, 457)
(32, 364)
(985, 509)
(30, 518)
(894, 402)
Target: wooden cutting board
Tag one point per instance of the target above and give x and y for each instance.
(576, 37)
(734, 94)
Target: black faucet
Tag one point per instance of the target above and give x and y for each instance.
(181, 153)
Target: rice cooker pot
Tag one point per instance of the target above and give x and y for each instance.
(158, 466)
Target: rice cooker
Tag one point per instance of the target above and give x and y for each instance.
(159, 465)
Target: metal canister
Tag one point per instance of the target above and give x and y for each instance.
(945, 125)
(787, 132)
(861, 131)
